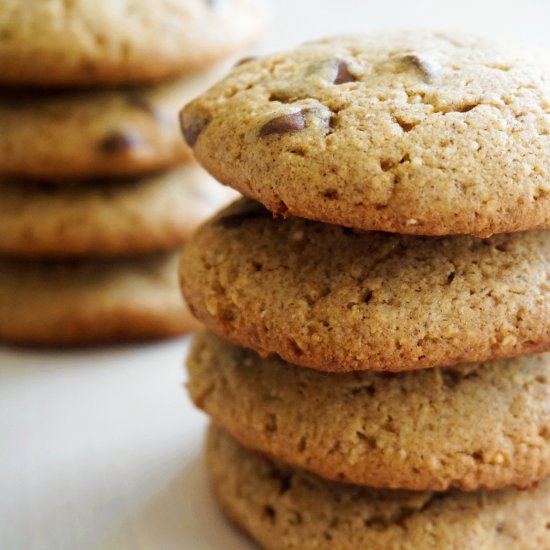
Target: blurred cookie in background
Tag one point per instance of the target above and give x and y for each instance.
(75, 302)
(123, 131)
(87, 43)
(105, 217)
(98, 189)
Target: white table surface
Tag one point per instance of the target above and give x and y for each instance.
(101, 448)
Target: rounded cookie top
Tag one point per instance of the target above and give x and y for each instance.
(106, 218)
(408, 132)
(85, 134)
(86, 302)
(484, 425)
(337, 299)
(83, 42)
(286, 508)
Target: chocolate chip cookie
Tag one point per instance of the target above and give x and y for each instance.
(286, 508)
(100, 133)
(483, 425)
(410, 132)
(78, 302)
(337, 299)
(84, 42)
(106, 218)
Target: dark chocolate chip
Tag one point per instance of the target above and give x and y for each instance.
(330, 194)
(245, 60)
(139, 102)
(284, 124)
(192, 126)
(343, 75)
(191, 135)
(119, 142)
(233, 221)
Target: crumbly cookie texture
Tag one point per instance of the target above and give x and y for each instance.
(337, 299)
(283, 508)
(100, 133)
(91, 301)
(88, 42)
(106, 218)
(484, 425)
(409, 132)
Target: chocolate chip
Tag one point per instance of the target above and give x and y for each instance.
(330, 194)
(281, 210)
(191, 135)
(233, 221)
(423, 66)
(284, 124)
(245, 60)
(343, 75)
(192, 126)
(139, 102)
(119, 142)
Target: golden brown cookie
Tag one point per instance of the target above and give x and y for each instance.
(88, 42)
(284, 508)
(484, 425)
(404, 131)
(106, 218)
(87, 302)
(336, 299)
(100, 133)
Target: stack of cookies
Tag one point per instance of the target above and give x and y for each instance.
(375, 371)
(98, 190)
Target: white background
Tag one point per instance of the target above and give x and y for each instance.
(101, 448)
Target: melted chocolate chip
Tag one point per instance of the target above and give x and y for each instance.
(284, 124)
(343, 75)
(233, 221)
(118, 142)
(192, 126)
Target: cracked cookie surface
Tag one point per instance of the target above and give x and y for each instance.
(337, 299)
(106, 218)
(83, 42)
(76, 302)
(483, 425)
(284, 508)
(408, 132)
